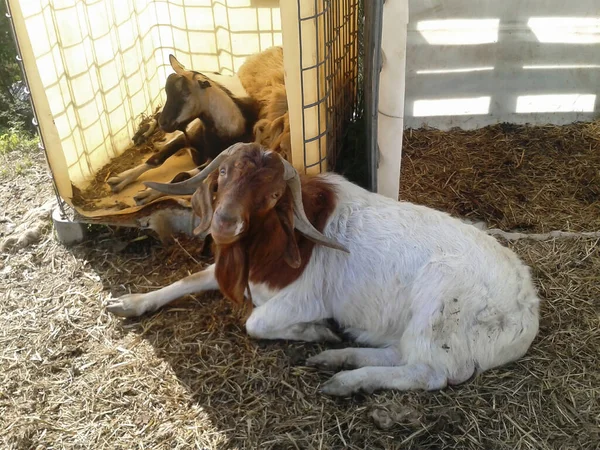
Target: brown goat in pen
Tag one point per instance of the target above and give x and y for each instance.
(212, 118)
(263, 77)
(208, 114)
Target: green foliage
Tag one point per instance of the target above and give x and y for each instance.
(15, 111)
(17, 140)
(18, 151)
(23, 165)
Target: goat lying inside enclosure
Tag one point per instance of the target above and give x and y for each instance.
(210, 116)
(263, 77)
(435, 299)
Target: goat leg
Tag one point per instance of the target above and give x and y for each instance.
(369, 379)
(354, 358)
(273, 321)
(148, 195)
(120, 181)
(134, 305)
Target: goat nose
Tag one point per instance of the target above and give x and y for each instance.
(167, 125)
(226, 225)
(226, 218)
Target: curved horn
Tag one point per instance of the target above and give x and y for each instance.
(301, 222)
(189, 186)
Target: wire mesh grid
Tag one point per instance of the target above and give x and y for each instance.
(104, 62)
(338, 49)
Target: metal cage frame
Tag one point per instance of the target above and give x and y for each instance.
(351, 68)
(350, 65)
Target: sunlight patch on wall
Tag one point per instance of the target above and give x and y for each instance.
(566, 30)
(561, 66)
(460, 70)
(451, 107)
(459, 31)
(556, 103)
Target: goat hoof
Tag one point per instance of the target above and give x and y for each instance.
(327, 360)
(346, 383)
(116, 183)
(339, 385)
(146, 196)
(126, 306)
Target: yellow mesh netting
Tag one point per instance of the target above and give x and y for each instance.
(102, 63)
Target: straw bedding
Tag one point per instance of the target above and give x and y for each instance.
(512, 177)
(73, 376)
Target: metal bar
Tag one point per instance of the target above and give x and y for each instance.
(319, 62)
(302, 87)
(371, 68)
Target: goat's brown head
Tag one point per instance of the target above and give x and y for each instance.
(246, 186)
(234, 196)
(185, 91)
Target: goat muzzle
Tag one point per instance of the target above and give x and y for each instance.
(168, 127)
(227, 226)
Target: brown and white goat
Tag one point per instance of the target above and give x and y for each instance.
(211, 117)
(436, 300)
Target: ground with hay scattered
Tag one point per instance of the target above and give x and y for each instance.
(512, 177)
(136, 154)
(73, 376)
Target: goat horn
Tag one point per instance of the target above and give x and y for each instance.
(301, 222)
(189, 186)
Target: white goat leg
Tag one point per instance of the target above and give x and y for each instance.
(283, 317)
(133, 305)
(149, 195)
(120, 181)
(355, 357)
(401, 378)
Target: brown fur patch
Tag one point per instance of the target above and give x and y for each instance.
(268, 242)
(263, 77)
(231, 270)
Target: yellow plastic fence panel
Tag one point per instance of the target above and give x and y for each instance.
(94, 66)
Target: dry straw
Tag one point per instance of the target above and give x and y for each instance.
(72, 376)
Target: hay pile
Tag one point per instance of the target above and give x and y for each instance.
(512, 177)
(73, 376)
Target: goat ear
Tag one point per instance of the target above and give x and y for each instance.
(202, 205)
(204, 84)
(285, 211)
(177, 66)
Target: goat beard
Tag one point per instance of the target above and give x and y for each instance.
(232, 270)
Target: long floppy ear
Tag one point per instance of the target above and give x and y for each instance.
(177, 66)
(232, 269)
(202, 204)
(285, 212)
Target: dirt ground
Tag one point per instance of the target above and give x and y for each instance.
(73, 376)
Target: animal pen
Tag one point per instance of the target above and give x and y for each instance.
(494, 108)
(95, 68)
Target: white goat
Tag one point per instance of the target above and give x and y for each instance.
(435, 300)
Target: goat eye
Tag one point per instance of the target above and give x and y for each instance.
(275, 195)
(222, 172)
